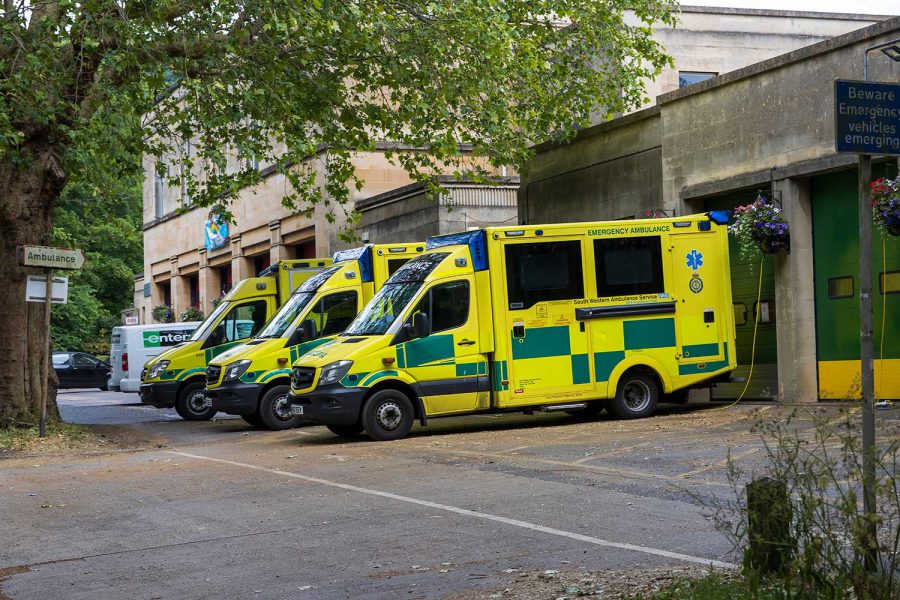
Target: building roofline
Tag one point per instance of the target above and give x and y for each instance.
(447, 181)
(791, 14)
(777, 62)
(600, 128)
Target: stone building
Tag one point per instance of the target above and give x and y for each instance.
(180, 272)
(765, 128)
(410, 212)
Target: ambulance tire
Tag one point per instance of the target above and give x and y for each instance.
(190, 404)
(636, 396)
(275, 410)
(253, 419)
(388, 415)
(346, 430)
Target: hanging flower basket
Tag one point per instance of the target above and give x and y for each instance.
(191, 313)
(886, 205)
(163, 314)
(760, 226)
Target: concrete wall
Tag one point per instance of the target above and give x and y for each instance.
(610, 171)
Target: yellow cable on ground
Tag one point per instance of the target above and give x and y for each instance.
(884, 403)
(753, 346)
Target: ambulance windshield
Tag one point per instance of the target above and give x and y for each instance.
(278, 324)
(206, 325)
(390, 301)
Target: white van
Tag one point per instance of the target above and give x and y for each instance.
(133, 345)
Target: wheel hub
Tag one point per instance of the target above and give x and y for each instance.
(389, 416)
(197, 402)
(636, 395)
(281, 408)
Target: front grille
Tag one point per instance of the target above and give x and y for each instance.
(302, 377)
(212, 374)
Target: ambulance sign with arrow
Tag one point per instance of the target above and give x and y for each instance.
(52, 258)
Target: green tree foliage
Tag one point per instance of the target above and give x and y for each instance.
(281, 81)
(106, 225)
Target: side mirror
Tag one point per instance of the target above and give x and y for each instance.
(309, 330)
(421, 325)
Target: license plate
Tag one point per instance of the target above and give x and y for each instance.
(296, 409)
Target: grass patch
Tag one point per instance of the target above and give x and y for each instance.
(61, 437)
(717, 586)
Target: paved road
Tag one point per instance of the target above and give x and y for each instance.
(93, 407)
(220, 510)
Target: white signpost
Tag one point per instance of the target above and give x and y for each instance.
(55, 291)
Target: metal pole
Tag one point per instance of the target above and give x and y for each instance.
(866, 354)
(45, 367)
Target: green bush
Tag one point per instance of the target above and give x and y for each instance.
(834, 550)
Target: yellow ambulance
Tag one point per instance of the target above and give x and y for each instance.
(253, 380)
(177, 377)
(581, 316)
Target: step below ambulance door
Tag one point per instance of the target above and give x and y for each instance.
(447, 363)
(700, 322)
(549, 360)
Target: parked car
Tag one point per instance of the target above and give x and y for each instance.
(80, 370)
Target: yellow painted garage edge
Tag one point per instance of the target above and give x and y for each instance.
(839, 379)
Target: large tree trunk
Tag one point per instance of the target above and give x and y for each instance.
(26, 217)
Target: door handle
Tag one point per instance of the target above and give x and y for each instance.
(465, 343)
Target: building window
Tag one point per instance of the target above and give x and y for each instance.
(542, 272)
(686, 78)
(629, 266)
(159, 187)
(840, 287)
(261, 263)
(194, 290)
(889, 282)
(225, 279)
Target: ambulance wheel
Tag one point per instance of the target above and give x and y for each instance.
(252, 419)
(388, 415)
(191, 404)
(346, 430)
(636, 396)
(275, 409)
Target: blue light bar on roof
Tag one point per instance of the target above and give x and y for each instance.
(476, 241)
(719, 217)
(363, 255)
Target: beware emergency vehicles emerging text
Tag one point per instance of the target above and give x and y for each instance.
(553, 317)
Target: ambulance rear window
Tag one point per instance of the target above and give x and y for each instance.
(629, 266)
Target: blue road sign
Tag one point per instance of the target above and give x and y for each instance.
(866, 117)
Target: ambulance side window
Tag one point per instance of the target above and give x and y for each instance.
(629, 266)
(543, 271)
(241, 322)
(336, 313)
(447, 306)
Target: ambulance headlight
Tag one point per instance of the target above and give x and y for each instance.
(235, 370)
(335, 371)
(157, 369)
